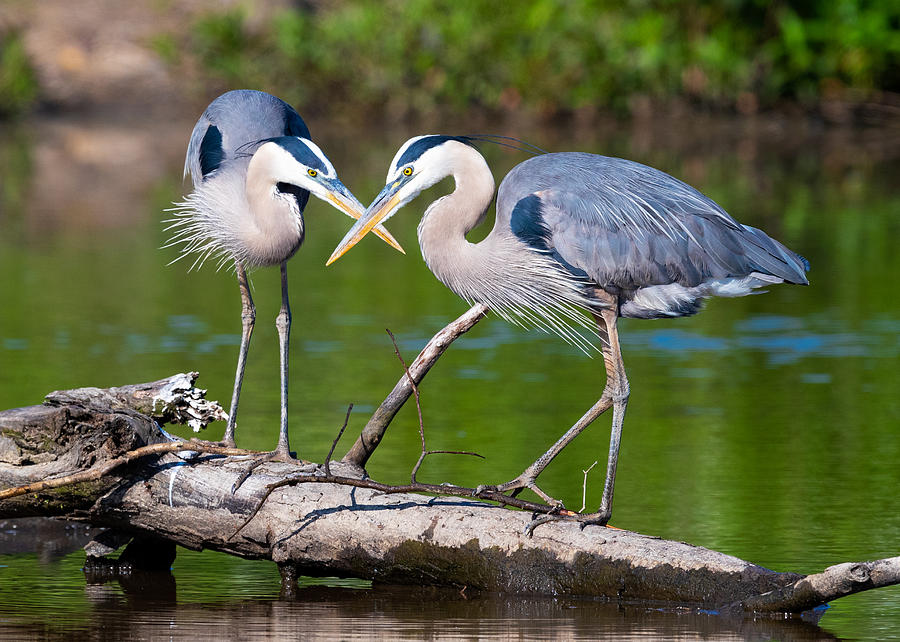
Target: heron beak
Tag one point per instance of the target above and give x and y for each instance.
(341, 198)
(381, 208)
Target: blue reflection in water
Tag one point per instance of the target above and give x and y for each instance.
(768, 323)
(785, 340)
(816, 377)
(216, 341)
(186, 324)
(351, 320)
(15, 344)
(675, 340)
(323, 347)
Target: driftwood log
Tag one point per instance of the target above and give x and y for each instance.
(100, 456)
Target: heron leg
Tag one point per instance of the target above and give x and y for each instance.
(283, 325)
(248, 317)
(615, 396)
(619, 391)
(282, 452)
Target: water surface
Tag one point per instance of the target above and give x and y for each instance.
(765, 427)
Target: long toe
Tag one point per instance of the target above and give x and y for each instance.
(600, 518)
(282, 455)
(516, 486)
(279, 455)
(591, 519)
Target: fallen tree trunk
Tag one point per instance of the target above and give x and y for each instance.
(314, 521)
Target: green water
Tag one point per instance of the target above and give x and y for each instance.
(765, 427)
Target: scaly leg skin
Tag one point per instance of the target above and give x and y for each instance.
(283, 324)
(248, 317)
(615, 396)
(282, 452)
(528, 477)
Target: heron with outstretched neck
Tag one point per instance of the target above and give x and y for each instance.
(579, 241)
(253, 167)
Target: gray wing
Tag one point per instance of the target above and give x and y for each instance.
(628, 226)
(234, 120)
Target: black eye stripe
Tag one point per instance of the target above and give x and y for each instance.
(422, 145)
(296, 148)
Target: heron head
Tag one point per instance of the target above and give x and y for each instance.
(300, 163)
(420, 162)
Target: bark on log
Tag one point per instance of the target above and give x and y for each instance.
(318, 527)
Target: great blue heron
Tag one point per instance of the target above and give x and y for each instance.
(253, 166)
(575, 233)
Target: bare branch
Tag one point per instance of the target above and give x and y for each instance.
(108, 466)
(374, 430)
(425, 452)
(415, 388)
(337, 439)
(388, 489)
(455, 452)
(834, 582)
(584, 487)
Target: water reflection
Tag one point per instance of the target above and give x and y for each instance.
(393, 613)
(48, 539)
(143, 605)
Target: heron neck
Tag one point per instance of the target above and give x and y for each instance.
(442, 231)
(275, 227)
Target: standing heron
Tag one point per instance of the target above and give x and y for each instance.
(576, 233)
(254, 166)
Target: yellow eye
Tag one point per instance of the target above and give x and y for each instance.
(312, 172)
(407, 171)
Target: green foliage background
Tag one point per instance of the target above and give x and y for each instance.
(18, 83)
(549, 56)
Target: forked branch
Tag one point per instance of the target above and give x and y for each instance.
(425, 452)
(374, 430)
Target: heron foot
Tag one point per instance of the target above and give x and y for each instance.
(279, 455)
(600, 518)
(517, 485)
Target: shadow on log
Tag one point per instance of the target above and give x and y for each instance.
(96, 456)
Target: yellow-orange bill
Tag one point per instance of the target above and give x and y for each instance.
(380, 231)
(362, 227)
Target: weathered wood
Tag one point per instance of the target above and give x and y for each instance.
(314, 527)
(76, 430)
(375, 428)
(835, 581)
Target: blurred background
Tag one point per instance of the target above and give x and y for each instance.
(766, 427)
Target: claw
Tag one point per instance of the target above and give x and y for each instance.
(481, 488)
(537, 521)
(275, 455)
(559, 515)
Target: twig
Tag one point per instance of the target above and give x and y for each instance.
(455, 452)
(337, 439)
(374, 430)
(418, 487)
(415, 389)
(97, 472)
(584, 487)
(424, 452)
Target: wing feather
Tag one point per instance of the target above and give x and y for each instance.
(629, 226)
